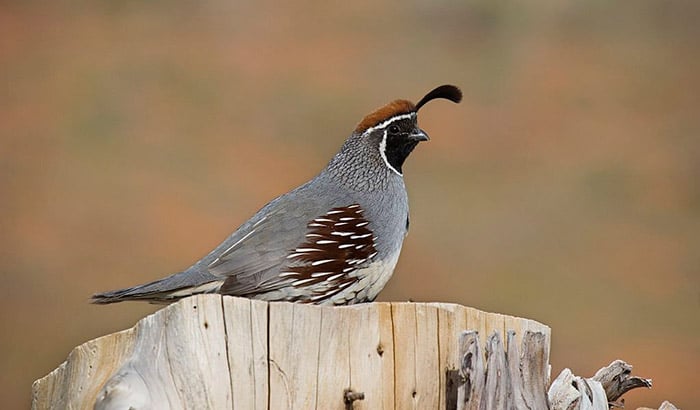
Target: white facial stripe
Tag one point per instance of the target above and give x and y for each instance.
(382, 151)
(389, 121)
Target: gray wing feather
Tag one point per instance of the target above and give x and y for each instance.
(250, 260)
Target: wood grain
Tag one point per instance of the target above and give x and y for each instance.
(210, 351)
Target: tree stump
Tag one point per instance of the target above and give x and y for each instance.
(216, 352)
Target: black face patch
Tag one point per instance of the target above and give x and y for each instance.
(399, 144)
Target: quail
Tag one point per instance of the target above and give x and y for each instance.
(334, 240)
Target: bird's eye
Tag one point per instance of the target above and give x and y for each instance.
(394, 129)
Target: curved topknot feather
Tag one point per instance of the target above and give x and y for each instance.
(447, 91)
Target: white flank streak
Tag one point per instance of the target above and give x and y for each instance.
(345, 245)
(317, 297)
(360, 246)
(361, 224)
(367, 235)
(313, 235)
(334, 212)
(353, 206)
(301, 282)
(345, 284)
(340, 224)
(372, 255)
(294, 255)
(346, 270)
(286, 274)
(317, 225)
(307, 250)
(347, 218)
(334, 277)
(319, 274)
(321, 262)
(322, 220)
(337, 233)
(325, 242)
(382, 151)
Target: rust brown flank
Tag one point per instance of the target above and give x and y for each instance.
(339, 220)
(396, 107)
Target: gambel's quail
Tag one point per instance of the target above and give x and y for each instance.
(334, 240)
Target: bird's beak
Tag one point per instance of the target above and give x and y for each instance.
(419, 135)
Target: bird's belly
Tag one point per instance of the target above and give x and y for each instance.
(371, 281)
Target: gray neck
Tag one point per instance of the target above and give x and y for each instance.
(359, 166)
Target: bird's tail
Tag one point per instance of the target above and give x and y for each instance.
(163, 291)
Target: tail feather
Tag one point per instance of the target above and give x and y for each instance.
(133, 293)
(162, 291)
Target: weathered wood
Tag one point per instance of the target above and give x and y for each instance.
(246, 337)
(516, 379)
(371, 355)
(210, 351)
(497, 386)
(506, 379)
(88, 367)
(404, 322)
(294, 340)
(576, 393)
(596, 393)
(172, 366)
(617, 379)
(221, 352)
(534, 367)
(451, 322)
(334, 347)
(471, 370)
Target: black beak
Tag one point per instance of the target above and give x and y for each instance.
(418, 135)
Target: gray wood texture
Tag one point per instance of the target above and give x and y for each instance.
(598, 392)
(216, 352)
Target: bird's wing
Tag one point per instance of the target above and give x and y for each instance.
(259, 246)
(301, 247)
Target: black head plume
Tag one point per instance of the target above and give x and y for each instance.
(448, 92)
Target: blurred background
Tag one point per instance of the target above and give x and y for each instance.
(565, 188)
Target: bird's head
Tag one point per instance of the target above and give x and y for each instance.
(394, 130)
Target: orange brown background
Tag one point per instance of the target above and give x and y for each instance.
(134, 136)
